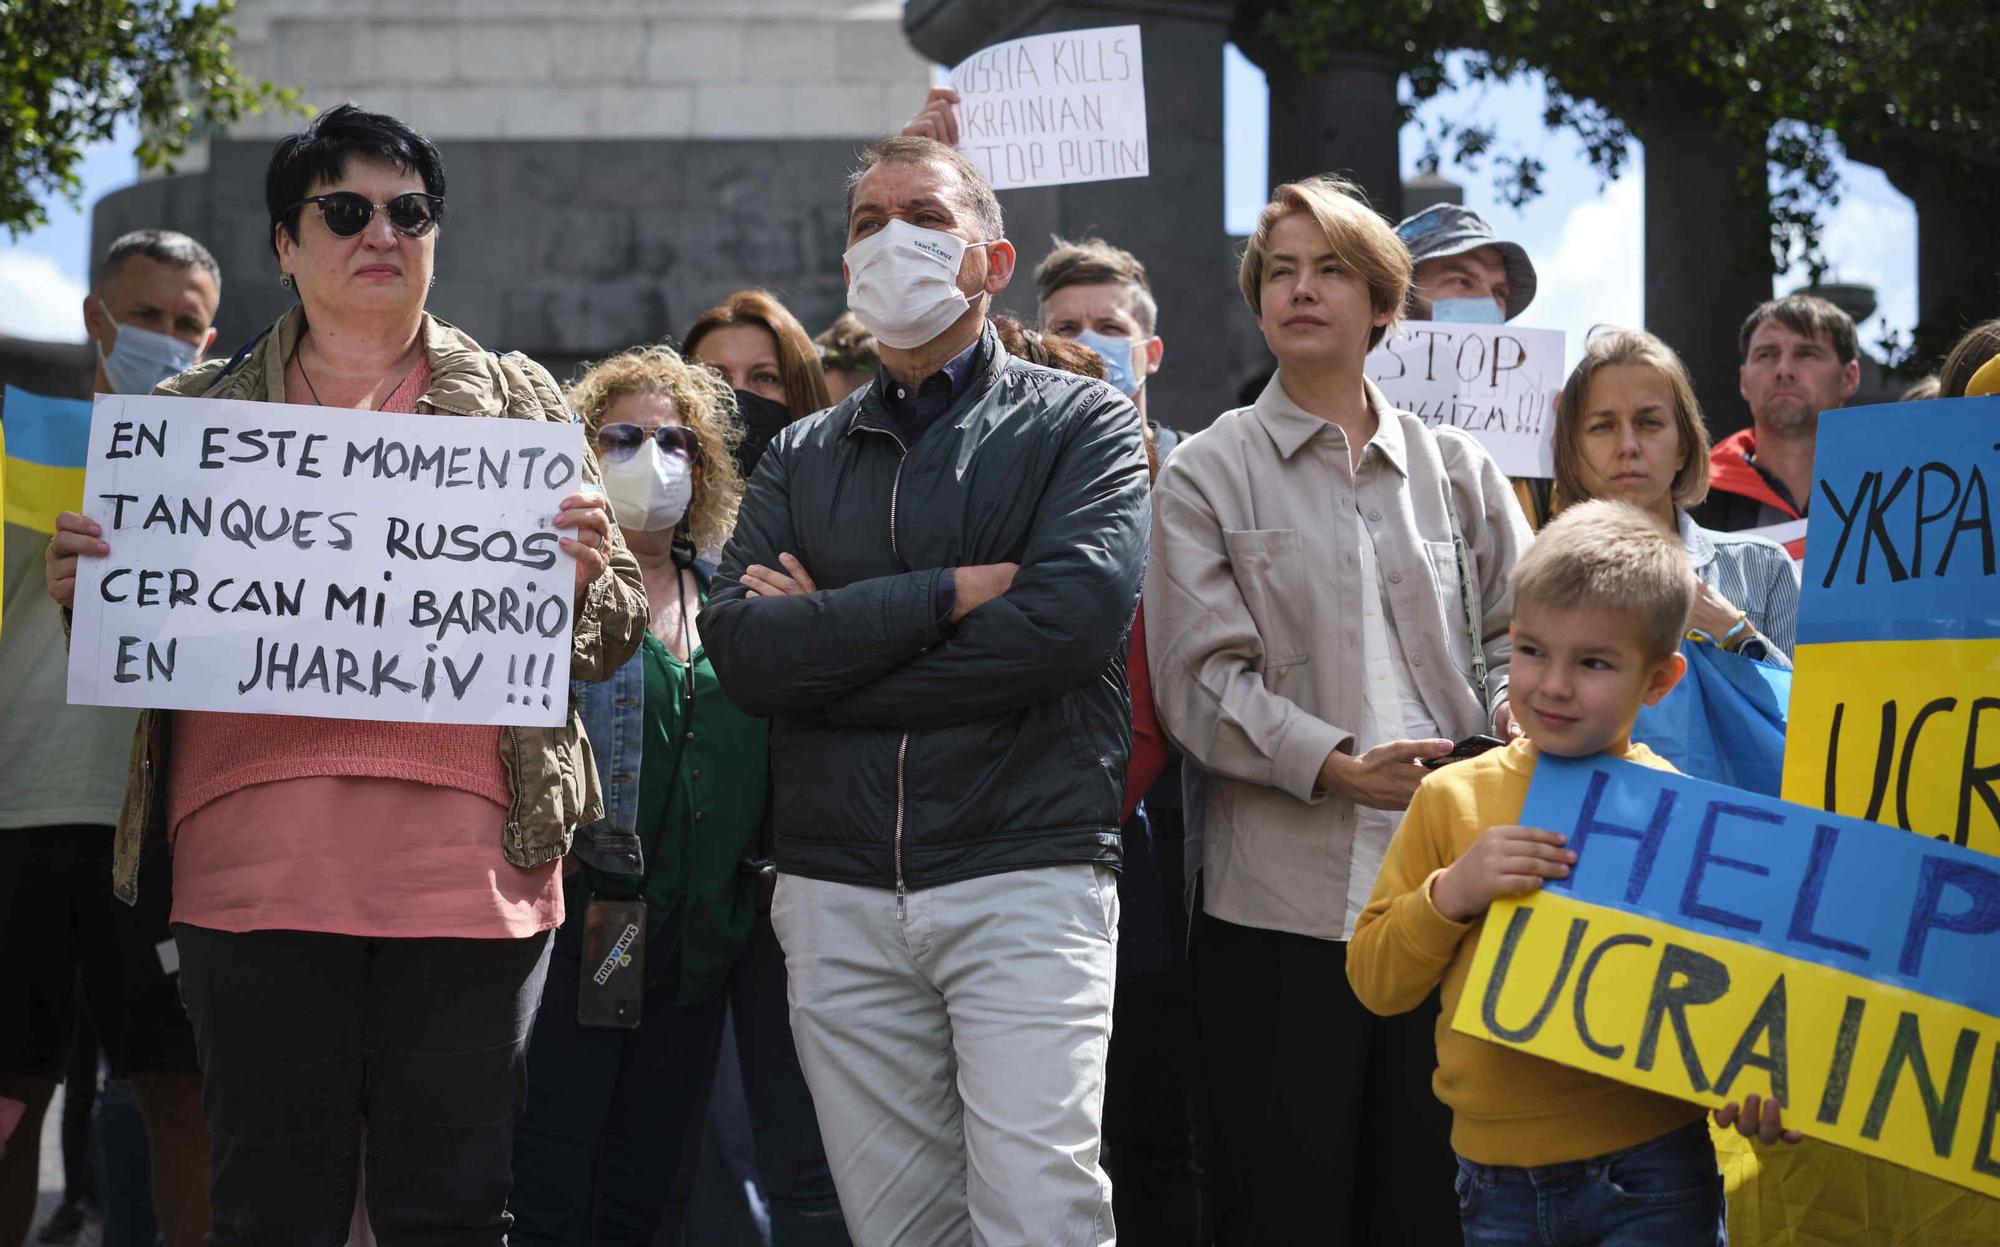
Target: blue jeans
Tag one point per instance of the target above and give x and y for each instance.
(1665, 1192)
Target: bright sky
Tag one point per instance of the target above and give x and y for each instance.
(1585, 239)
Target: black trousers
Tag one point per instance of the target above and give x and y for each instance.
(303, 1034)
(1149, 1146)
(1327, 1129)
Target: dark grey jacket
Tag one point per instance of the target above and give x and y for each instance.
(904, 753)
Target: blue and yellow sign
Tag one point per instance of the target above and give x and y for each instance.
(1711, 943)
(46, 441)
(1895, 713)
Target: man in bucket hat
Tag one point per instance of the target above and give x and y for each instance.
(1464, 271)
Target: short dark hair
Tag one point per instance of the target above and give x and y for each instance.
(909, 149)
(1094, 262)
(1808, 316)
(319, 153)
(164, 246)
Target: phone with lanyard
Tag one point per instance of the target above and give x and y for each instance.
(610, 989)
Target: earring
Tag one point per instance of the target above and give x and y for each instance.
(288, 281)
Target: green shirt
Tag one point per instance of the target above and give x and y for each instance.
(704, 778)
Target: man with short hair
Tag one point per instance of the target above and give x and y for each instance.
(1095, 293)
(929, 591)
(151, 313)
(1800, 358)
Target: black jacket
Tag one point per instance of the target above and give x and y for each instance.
(909, 754)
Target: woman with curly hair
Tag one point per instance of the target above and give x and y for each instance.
(684, 776)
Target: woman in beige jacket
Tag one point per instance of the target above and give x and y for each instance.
(1326, 607)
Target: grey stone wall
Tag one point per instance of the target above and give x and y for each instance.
(566, 250)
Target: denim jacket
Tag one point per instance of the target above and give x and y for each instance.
(612, 712)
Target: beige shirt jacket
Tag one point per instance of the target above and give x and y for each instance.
(1254, 628)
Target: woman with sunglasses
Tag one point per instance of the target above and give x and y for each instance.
(363, 909)
(684, 775)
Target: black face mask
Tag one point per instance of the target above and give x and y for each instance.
(762, 418)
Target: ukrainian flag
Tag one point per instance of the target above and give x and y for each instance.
(45, 443)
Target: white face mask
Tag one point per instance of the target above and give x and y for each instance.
(902, 283)
(650, 491)
(140, 359)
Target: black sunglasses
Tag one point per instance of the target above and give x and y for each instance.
(618, 442)
(347, 213)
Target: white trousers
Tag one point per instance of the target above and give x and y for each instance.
(956, 1053)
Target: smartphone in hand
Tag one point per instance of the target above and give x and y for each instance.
(1470, 747)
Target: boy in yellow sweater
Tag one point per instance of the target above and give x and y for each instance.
(1549, 1155)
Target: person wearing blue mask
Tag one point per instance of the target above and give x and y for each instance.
(1096, 294)
(1467, 273)
(151, 312)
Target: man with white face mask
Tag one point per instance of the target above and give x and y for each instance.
(151, 313)
(929, 590)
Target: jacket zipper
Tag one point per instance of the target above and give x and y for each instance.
(902, 746)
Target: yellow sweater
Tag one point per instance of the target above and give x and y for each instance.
(1508, 1108)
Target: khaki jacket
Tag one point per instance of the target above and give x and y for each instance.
(550, 774)
(1254, 627)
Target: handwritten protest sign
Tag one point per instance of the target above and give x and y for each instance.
(1053, 109)
(1895, 712)
(1710, 943)
(293, 560)
(1497, 382)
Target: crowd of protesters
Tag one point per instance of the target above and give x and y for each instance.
(1037, 796)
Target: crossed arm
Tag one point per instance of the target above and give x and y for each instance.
(874, 652)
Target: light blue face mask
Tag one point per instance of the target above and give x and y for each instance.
(141, 359)
(1468, 311)
(1117, 356)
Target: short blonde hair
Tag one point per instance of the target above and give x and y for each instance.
(1614, 348)
(705, 404)
(1362, 239)
(1612, 556)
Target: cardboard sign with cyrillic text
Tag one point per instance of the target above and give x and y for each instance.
(1710, 943)
(1895, 711)
(1053, 109)
(1497, 382)
(277, 559)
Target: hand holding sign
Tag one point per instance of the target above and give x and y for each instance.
(76, 535)
(586, 513)
(1505, 861)
(1047, 110)
(266, 558)
(1712, 944)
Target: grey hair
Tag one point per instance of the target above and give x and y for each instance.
(166, 246)
(978, 196)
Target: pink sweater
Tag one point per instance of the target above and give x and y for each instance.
(348, 826)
